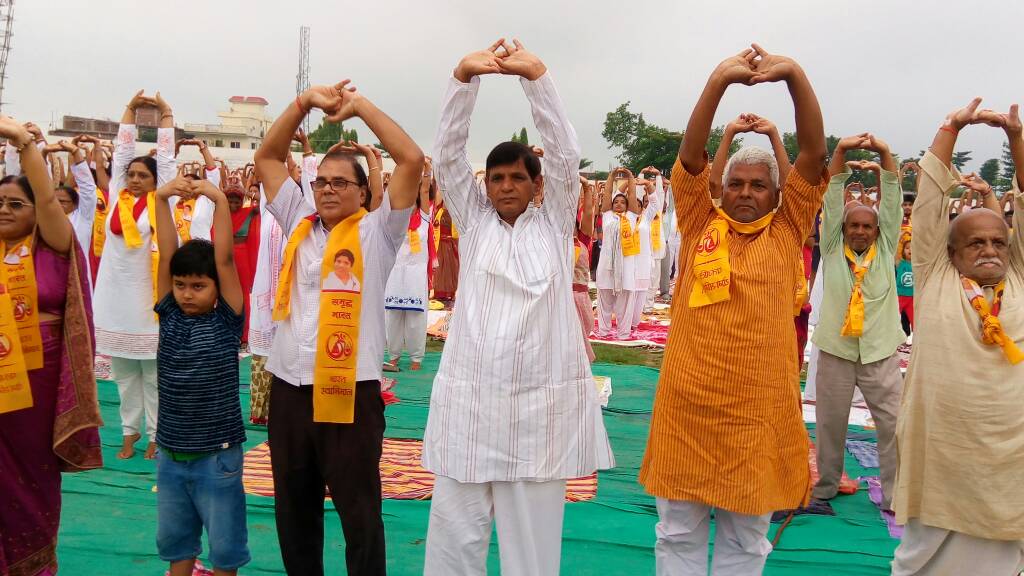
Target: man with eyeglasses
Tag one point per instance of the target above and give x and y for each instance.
(308, 453)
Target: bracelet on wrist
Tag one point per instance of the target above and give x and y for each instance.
(948, 128)
(298, 104)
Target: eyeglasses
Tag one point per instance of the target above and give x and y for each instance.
(14, 204)
(336, 184)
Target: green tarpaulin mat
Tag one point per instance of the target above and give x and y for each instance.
(109, 516)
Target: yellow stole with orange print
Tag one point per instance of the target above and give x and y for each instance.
(15, 390)
(853, 324)
(656, 232)
(711, 269)
(19, 278)
(334, 370)
(414, 241)
(132, 237)
(182, 224)
(628, 239)
(99, 223)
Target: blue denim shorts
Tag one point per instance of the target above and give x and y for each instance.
(205, 492)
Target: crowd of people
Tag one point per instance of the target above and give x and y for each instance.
(325, 268)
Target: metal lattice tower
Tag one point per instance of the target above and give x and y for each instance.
(302, 78)
(6, 26)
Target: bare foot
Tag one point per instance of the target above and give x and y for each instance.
(415, 366)
(128, 446)
(150, 451)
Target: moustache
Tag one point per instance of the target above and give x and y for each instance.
(987, 260)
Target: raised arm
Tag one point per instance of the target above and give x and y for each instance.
(166, 233)
(587, 215)
(561, 157)
(737, 126)
(453, 170)
(53, 224)
(84, 182)
(768, 128)
(608, 192)
(223, 246)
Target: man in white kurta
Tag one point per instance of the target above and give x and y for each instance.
(514, 410)
(960, 432)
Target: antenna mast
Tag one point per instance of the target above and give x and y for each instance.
(302, 78)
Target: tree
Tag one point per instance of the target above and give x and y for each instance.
(645, 144)
(1006, 176)
(522, 137)
(960, 159)
(586, 163)
(328, 134)
(989, 171)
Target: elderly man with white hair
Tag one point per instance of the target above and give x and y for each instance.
(858, 328)
(961, 425)
(727, 431)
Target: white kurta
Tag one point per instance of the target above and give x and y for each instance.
(514, 398)
(615, 271)
(407, 284)
(126, 326)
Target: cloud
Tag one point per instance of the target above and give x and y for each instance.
(894, 68)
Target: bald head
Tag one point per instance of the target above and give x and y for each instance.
(979, 246)
(860, 227)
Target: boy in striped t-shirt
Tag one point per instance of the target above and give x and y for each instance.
(200, 431)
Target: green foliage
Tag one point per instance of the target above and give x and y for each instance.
(586, 163)
(644, 144)
(521, 137)
(989, 171)
(1005, 181)
(328, 134)
(960, 159)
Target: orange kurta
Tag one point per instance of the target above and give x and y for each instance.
(727, 428)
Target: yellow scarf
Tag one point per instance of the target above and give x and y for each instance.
(656, 233)
(628, 239)
(99, 223)
(181, 223)
(334, 371)
(132, 237)
(19, 278)
(711, 269)
(853, 324)
(15, 390)
(992, 332)
(801, 284)
(414, 242)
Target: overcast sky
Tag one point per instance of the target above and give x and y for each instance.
(891, 67)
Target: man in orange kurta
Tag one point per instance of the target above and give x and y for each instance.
(727, 431)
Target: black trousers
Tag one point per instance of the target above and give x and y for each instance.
(306, 456)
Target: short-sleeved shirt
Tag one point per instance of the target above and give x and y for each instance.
(197, 378)
(904, 279)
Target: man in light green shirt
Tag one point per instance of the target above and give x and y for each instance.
(859, 327)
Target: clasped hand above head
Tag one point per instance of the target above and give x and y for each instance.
(501, 58)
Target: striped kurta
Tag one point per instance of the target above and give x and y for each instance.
(514, 398)
(727, 428)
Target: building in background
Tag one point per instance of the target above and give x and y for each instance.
(242, 126)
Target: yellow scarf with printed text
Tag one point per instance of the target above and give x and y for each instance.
(711, 269)
(99, 223)
(21, 346)
(853, 324)
(628, 239)
(656, 233)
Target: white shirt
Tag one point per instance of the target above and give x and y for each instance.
(615, 271)
(84, 214)
(293, 352)
(126, 326)
(407, 286)
(514, 398)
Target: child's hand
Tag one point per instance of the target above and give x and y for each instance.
(180, 186)
(206, 188)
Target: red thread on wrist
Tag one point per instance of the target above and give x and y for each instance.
(298, 103)
(949, 129)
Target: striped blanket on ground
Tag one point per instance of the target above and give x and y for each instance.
(402, 476)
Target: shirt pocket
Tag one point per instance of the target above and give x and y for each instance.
(536, 260)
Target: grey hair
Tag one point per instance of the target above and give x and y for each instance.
(753, 156)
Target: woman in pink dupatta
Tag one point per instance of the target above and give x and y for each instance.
(60, 432)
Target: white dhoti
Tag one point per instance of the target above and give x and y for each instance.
(926, 551)
(683, 532)
(529, 522)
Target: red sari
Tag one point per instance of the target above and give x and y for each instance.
(245, 226)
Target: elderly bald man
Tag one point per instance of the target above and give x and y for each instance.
(859, 326)
(961, 426)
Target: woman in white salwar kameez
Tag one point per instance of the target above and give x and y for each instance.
(645, 265)
(126, 327)
(406, 296)
(616, 272)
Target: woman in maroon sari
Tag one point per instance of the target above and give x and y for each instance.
(245, 222)
(59, 432)
(446, 278)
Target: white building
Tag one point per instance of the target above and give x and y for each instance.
(242, 126)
